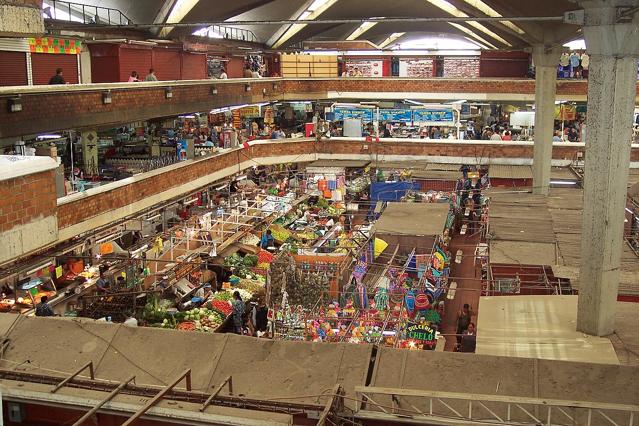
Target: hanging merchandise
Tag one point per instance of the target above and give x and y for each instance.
(379, 246)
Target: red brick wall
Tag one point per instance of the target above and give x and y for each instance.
(75, 109)
(81, 210)
(26, 198)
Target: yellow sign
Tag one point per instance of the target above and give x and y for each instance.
(252, 111)
(58, 272)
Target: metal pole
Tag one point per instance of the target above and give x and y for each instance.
(347, 21)
(158, 396)
(108, 398)
(88, 365)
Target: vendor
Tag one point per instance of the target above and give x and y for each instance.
(267, 240)
(102, 283)
(259, 318)
(203, 293)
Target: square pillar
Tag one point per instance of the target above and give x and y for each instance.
(545, 60)
(612, 82)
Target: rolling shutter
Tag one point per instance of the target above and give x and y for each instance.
(13, 69)
(43, 67)
(134, 59)
(193, 66)
(167, 64)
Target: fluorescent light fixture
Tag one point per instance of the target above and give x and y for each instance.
(487, 10)
(219, 188)
(157, 216)
(361, 30)
(410, 101)
(452, 10)
(191, 201)
(461, 101)
(314, 10)
(473, 34)
(562, 182)
(390, 39)
(239, 178)
(627, 209)
(43, 137)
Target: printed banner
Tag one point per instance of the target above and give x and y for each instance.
(433, 116)
(365, 114)
(364, 68)
(416, 68)
(396, 115)
(54, 45)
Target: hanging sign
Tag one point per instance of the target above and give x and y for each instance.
(252, 111)
(106, 248)
(54, 45)
(395, 115)
(366, 115)
(421, 333)
(433, 116)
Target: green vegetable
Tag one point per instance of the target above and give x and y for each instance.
(250, 260)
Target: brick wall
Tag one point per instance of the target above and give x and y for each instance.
(27, 198)
(83, 108)
(85, 208)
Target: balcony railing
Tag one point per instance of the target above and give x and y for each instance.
(82, 13)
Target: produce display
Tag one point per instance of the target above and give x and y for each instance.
(242, 267)
(280, 233)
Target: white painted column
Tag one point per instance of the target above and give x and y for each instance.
(612, 81)
(545, 60)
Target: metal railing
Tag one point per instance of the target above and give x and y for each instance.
(432, 407)
(228, 33)
(82, 13)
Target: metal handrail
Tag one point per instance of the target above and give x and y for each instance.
(66, 11)
(481, 409)
(232, 33)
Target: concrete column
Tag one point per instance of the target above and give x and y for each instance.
(21, 17)
(545, 60)
(612, 81)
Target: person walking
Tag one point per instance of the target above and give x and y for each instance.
(57, 78)
(238, 313)
(463, 321)
(469, 339)
(151, 76)
(134, 77)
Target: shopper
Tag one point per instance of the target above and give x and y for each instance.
(43, 309)
(495, 137)
(507, 136)
(463, 321)
(267, 240)
(57, 78)
(151, 76)
(259, 318)
(247, 72)
(238, 313)
(557, 136)
(469, 339)
(134, 77)
(223, 75)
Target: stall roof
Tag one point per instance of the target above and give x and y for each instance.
(503, 171)
(522, 253)
(538, 327)
(347, 164)
(452, 175)
(398, 165)
(413, 219)
(156, 356)
(524, 219)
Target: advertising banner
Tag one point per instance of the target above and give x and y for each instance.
(396, 115)
(435, 116)
(366, 115)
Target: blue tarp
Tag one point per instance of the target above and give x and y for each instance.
(391, 191)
